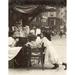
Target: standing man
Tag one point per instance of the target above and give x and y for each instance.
(38, 31)
(33, 30)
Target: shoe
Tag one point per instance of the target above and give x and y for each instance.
(55, 66)
(64, 64)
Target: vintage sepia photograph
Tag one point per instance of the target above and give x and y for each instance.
(37, 32)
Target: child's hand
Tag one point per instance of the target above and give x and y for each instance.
(27, 44)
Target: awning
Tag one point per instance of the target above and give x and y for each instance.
(25, 8)
(47, 2)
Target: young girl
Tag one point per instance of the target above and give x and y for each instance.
(51, 57)
(34, 41)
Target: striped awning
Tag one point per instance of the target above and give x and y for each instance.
(47, 2)
(25, 8)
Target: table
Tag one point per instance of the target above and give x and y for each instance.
(12, 52)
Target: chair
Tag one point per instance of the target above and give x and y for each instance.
(37, 54)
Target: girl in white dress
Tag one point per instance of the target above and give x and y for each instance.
(51, 57)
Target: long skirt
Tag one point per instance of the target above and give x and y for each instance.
(51, 56)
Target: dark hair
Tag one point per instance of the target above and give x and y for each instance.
(10, 33)
(39, 35)
(31, 38)
(44, 33)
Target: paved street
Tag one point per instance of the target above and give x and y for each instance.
(60, 46)
(36, 72)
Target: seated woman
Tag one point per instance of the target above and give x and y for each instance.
(18, 56)
(35, 44)
(13, 50)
